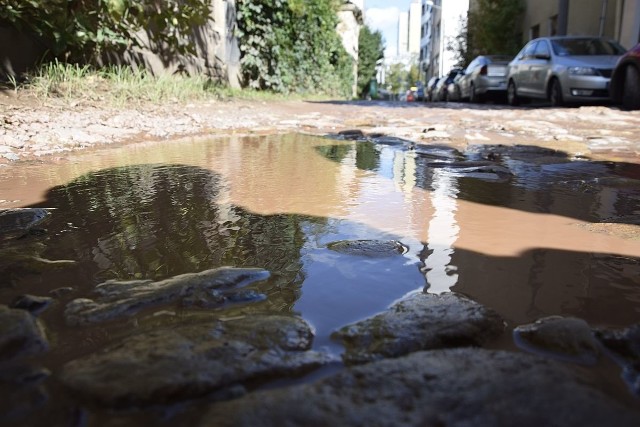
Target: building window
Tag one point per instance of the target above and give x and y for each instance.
(553, 25)
(534, 32)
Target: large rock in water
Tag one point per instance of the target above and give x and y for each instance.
(17, 222)
(564, 338)
(21, 335)
(189, 361)
(120, 298)
(463, 387)
(624, 347)
(420, 322)
(369, 248)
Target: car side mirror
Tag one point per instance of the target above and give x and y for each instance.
(545, 57)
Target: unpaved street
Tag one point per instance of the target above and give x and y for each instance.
(318, 263)
(31, 130)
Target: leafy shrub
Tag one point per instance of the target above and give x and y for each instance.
(80, 30)
(293, 46)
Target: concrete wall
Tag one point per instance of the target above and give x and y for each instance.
(217, 50)
(350, 21)
(628, 23)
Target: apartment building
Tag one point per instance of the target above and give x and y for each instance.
(441, 22)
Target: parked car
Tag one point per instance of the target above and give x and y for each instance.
(440, 92)
(625, 80)
(453, 90)
(431, 85)
(563, 69)
(486, 76)
(419, 91)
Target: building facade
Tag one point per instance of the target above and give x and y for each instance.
(409, 32)
(441, 22)
(615, 19)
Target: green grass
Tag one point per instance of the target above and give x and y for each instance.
(120, 86)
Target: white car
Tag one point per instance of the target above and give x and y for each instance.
(486, 76)
(563, 69)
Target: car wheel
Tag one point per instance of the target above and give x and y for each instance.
(631, 89)
(474, 96)
(512, 94)
(555, 94)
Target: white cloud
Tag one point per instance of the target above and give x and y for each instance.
(385, 20)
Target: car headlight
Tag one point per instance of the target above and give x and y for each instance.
(583, 71)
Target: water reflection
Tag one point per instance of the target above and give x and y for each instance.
(514, 247)
(443, 233)
(276, 202)
(158, 221)
(153, 222)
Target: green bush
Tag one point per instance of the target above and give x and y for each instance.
(292, 46)
(81, 30)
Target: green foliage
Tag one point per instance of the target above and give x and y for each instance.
(79, 30)
(370, 50)
(401, 77)
(494, 27)
(460, 45)
(292, 46)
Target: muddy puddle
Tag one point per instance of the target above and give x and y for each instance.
(340, 227)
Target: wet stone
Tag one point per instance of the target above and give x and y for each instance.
(420, 322)
(21, 335)
(15, 223)
(624, 347)
(528, 153)
(171, 365)
(369, 248)
(567, 339)
(437, 152)
(23, 392)
(481, 169)
(31, 303)
(122, 298)
(351, 134)
(453, 387)
(394, 142)
(215, 298)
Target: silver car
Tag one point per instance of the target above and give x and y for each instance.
(485, 76)
(563, 69)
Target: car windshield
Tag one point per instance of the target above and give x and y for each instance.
(585, 47)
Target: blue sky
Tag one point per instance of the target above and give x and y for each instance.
(382, 15)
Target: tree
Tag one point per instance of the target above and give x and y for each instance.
(460, 45)
(401, 77)
(293, 46)
(494, 27)
(370, 50)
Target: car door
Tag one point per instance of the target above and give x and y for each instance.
(521, 69)
(466, 79)
(539, 69)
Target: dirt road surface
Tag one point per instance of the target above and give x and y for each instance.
(32, 130)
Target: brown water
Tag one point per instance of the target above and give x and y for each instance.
(518, 245)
